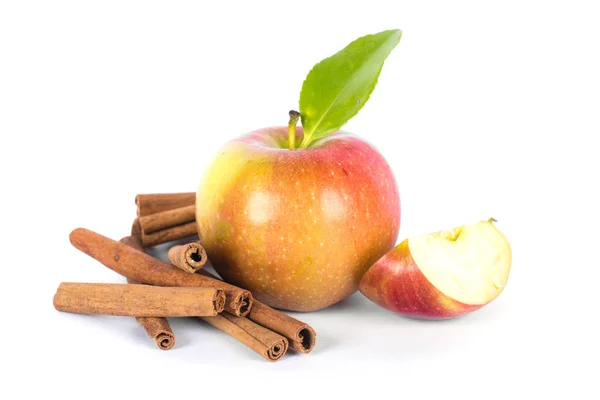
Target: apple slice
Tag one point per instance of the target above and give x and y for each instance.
(443, 274)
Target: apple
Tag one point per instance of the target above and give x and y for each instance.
(298, 227)
(443, 274)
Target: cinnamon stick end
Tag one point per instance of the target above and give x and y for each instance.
(57, 300)
(219, 301)
(177, 258)
(195, 255)
(165, 340)
(307, 338)
(277, 349)
(76, 237)
(241, 304)
(137, 205)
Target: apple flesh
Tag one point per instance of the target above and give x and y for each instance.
(443, 274)
(298, 228)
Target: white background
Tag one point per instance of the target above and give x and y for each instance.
(485, 109)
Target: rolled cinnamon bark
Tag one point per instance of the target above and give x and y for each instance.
(268, 344)
(167, 219)
(169, 234)
(189, 257)
(157, 202)
(126, 260)
(157, 328)
(134, 300)
(302, 337)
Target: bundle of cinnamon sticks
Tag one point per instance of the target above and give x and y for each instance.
(156, 290)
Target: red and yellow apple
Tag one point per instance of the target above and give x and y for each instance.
(299, 227)
(443, 274)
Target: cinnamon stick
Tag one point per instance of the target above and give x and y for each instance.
(189, 257)
(268, 344)
(169, 234)
(136, 230)
(157, 328)
(135, 300)
(157, 202)
(136, 265)
(167, 219)
(134, 241)
(302, 337)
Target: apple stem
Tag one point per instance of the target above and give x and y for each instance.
(294, 117)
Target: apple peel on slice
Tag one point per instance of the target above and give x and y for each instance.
(443, 274)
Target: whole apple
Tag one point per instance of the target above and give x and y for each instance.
(298, 228)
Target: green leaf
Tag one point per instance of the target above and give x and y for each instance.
(339, 86)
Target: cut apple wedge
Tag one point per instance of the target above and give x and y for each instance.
(443, 274)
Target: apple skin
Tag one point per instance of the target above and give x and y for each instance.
(396, 283)
(298, 228)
